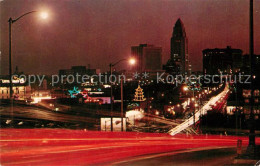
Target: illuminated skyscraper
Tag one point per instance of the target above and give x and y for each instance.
(179, 47)
(179, 61)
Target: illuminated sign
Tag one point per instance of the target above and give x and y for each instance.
(73, 93)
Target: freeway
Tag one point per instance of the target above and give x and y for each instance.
(33, 114)
(81, 147)
(202, 111)
(160, 119)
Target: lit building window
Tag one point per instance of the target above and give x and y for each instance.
(256, 92)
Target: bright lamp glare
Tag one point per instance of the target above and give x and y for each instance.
(44, 15)
(132, 61)
(185, 88)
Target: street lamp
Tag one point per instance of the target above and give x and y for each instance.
(185, 88)
(111, 65)
(43, 15)
(132, 61)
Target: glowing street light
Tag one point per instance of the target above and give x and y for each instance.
(132, 61)
(185, 88)
(44, 15)
(111, 65)
(157, 113)
(11, 21)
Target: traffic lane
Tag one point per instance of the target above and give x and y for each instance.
(29, 147)
(222, 101)
(36, 113)
(204, 109)
(219, 156)
(92, 155)
(66, 134)
(97, 154)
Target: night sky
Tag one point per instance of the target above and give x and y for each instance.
(97, 32)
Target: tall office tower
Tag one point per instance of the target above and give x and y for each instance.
(179, 60)
(148, 57)
(179, 48)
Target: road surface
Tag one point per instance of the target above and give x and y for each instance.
(79, 147)
(196, 157)
(28, 117)
(202, 111)
(38, 113)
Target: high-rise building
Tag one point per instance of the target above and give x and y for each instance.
(148, 57)
(179, 61)
(224, 60)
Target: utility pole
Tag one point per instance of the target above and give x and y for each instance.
(251, 145)
(111, 65)
(111, 96)
(122, 106)
(10, 57)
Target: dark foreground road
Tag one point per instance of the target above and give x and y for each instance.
(194, 157)
(79, 147)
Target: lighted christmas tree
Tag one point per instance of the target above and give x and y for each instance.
(139, 94)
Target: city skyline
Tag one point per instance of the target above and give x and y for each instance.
(130, 82)
(87, 32)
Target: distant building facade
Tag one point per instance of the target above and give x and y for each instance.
(246, 64)
(179, 60)
(222, 60)
(80, 70)
(21, 90)
(148, 57)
